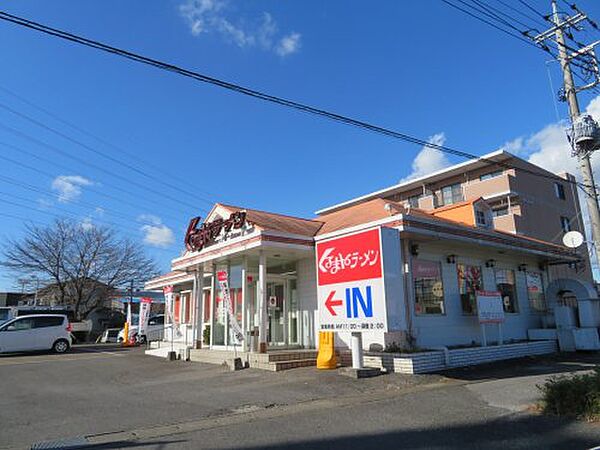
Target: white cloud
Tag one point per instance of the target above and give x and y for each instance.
(210, 16)
(45, 204)
(87, 224)
(155, 232)
(288, 44)
(69, 187)
(429, 159)
(150, 218)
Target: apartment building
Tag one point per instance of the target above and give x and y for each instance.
(521, 202)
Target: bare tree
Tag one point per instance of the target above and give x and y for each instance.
(83, 265)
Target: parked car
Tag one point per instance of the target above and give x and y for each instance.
(154, 332)
(36, 332)
(7, 313)
(109, 335)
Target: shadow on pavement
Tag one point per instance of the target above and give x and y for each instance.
(560, 363)
(513, 432)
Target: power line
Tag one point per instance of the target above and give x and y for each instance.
(68, 213)
(524, 33)
(485, 21)
(104, 142)
(17, 183)
(531, 8)
(508, 16)
(91, 189)
(255, 93)
(518, 11)
(87, 147)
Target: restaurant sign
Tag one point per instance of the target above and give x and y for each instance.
(196, 238)
(350, 288)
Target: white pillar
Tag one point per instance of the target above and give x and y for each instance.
(357, 350)
(226, 311)
(199, 313)
(212, 304)
(244, 303)
(262, 302)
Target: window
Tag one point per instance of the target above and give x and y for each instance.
(469, 282)
(502, 211)
(429, 289)
(19, 325)
(535, 292)
(565, 224)
(487, 176)
(505, 283)
(480, 218)
(452, 194)
(45, 322)
(559, 190)
(156, 320)
(413, 201)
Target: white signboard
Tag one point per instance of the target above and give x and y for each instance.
(235, 327)
(489, 307)
(351, 293)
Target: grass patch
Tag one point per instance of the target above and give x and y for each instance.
(573, 396)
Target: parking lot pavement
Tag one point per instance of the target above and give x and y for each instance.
(120, 397)
(96, 389)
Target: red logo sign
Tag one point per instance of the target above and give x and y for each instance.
(350, 258)
(198, 238)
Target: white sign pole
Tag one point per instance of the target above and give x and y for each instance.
(357, 350)
(483, 336)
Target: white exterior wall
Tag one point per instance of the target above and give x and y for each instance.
(456, 328)
(307, 302)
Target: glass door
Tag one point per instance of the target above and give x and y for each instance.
(275, 313)
(292, 313)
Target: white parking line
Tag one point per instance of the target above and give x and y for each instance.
(13, 361)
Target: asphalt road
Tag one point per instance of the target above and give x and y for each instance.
(119, 398)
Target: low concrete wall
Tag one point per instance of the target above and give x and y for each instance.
(435, 360)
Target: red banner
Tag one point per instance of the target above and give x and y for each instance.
(350, 258)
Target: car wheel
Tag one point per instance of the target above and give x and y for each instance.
(61, 346)
(142, 339)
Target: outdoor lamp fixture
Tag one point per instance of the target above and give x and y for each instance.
(490, 263)
(522, 267)
(451, 259)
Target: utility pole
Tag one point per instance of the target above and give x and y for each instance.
(582, 152)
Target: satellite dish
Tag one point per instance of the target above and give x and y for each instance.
(573, 239)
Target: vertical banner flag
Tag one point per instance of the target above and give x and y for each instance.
(129, 318)
(233, 323)
(168, 293)
(350, 289)
(145, 304)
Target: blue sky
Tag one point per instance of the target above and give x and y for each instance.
(417, 67)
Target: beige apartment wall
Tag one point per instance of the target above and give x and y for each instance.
(535, 210)
(485, 188)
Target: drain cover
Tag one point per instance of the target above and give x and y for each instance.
(70, 443)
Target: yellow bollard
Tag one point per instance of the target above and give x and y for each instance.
(126, 342)
(326, 357)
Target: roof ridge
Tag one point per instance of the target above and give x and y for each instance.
(269, 212)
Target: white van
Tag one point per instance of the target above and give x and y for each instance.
(154, 331)
(36, 332)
